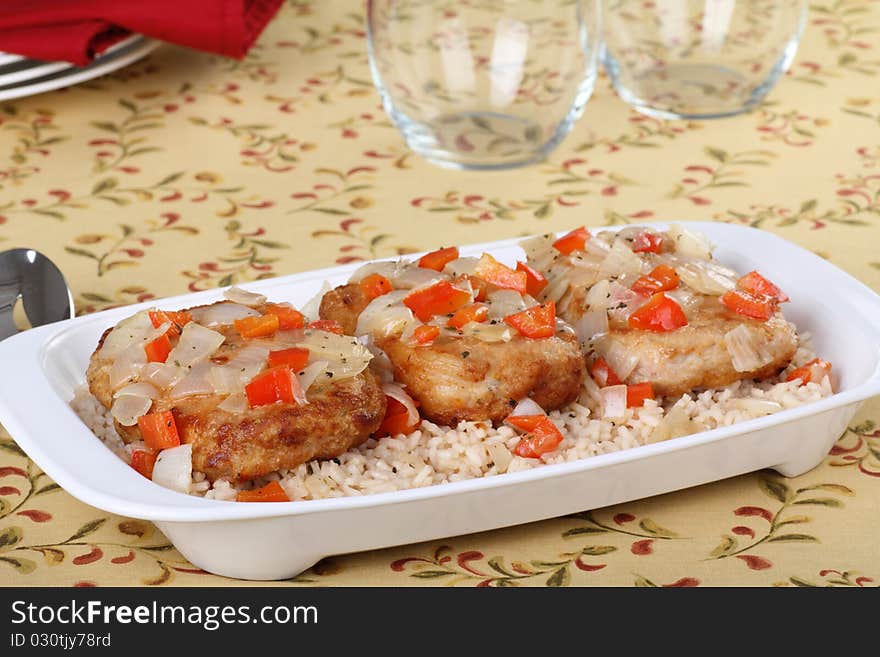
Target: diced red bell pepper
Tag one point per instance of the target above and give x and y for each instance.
(543, 438)
(478, 285)
(177, 318)
(812, 372)
(157, 350)
(603, 375)
(425, 334)
(659, 314)
(143, 461)
(750, 305)
(474, 312)
(288, 316)
(756, 284)
(438, 259)
(500, 275)
(257, 327)
(441, 298)
(271, 492)
(295, 358)
(375, 285)
(573, 241)
(535, 280)
(535, 322)
(646, 242)
(661, 278)
(329, 325)
(637, 393)
(525, 422)
(159, 430)
(396, 420)
(273, 385)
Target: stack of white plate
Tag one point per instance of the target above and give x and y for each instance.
(20, 76)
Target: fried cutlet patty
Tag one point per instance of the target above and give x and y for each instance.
(339, 415)
(465, 378)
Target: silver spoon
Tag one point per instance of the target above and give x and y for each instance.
(31, 276)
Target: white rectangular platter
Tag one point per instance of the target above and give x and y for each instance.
(278, 540)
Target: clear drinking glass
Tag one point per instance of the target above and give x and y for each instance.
(699, 58)
(484, 84)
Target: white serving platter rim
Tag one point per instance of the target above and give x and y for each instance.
(141, 498)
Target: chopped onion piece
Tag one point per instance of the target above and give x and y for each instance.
(310, 373)
(538, 245)
(385, 315)
(461, 266)
(706, 277)
(237, 402)
(557, 288)
(125, 333)
(380, 364)
(131, 360)
(299, 395)
(597, 249)
(345, 355)
(748, 349)
(250, 361)
(173, 468)
(245, 298)
(620, 260)
(503, 303)
(251, 358)
(527, 406)
(196, 382)
(541, 254)
(224, 380)
(386, 268)
(141, 389)
(161, 375)
(240, 369)
(128, 408)
(591, 392)
(629, 233)
(196, 344)
(579, 277)
(487, 332)
(613, 401)
(599, 295)
(411, 277)
(588, 266)
(127, 366)
(623, 302)
(607, 236)
(620, 359)
(500, 456)
(396, 392)
(628, 280)
(590, 324)
(224, 312)
(690, 244)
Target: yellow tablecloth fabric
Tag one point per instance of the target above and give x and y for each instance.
(186, 171)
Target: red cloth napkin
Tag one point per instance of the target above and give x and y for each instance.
(77, 30)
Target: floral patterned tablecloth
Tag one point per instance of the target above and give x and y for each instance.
(186, 171)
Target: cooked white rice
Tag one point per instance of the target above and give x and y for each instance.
(438, 454)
